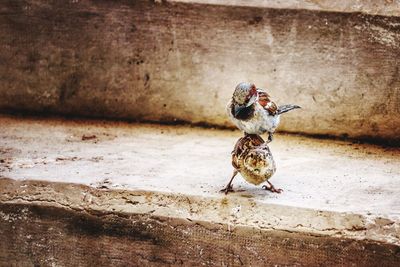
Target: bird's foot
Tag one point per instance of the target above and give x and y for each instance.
(227, 189)
(272, 188)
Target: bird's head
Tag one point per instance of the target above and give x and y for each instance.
(244, 96)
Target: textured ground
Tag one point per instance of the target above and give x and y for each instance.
(320, 174)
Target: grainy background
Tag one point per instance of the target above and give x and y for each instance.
(164, 61)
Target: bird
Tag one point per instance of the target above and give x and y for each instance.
(252, 110)
(252, 158)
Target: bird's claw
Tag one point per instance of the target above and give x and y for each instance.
(227, 189)
(272, 189)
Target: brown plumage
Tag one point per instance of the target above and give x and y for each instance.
(252, 158)
(252, 110)
(265, 101)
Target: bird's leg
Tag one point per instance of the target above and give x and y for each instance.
(272, 188)
(228, 187)
(270, 137)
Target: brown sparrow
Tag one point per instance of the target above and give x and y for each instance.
(252, 158)
(252, 110)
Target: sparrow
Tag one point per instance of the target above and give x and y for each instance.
(252, 110)
(252, 158)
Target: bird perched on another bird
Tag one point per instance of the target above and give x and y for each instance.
(252, 158)
(252, 110)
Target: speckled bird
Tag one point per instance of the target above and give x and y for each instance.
(252, 110)
(252, 158)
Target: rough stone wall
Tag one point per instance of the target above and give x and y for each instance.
(169, 61)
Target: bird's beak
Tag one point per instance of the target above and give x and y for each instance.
(237, 109)
(252, 100)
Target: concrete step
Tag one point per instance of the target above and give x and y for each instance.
(72, 190)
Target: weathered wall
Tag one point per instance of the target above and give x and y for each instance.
(36, 235)
(180, 61)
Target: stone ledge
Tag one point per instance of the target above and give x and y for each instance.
(148, 194)
(317, 174)
(227, 212)
(384, 8)
(179, 171)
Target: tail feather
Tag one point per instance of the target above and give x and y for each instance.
(285, 108)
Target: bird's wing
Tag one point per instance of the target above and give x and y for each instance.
(265, 101)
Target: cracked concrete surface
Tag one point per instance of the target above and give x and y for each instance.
(332, 188)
